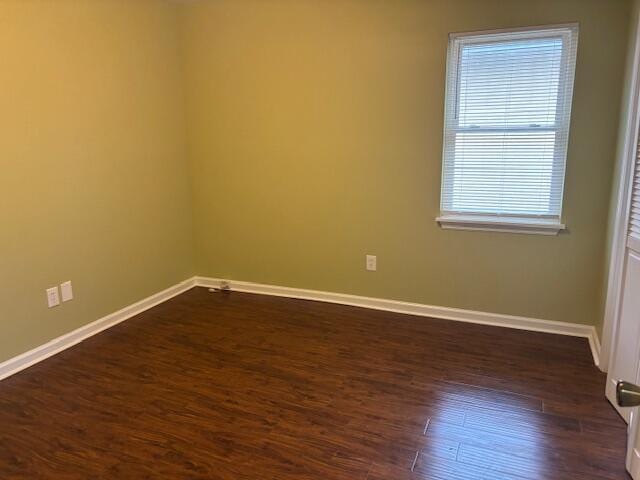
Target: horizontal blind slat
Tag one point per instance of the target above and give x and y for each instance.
(634, 217)
(514, 89)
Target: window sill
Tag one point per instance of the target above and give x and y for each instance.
(536, 226)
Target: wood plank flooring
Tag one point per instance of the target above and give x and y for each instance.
(238, 386)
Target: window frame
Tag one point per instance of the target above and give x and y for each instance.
(548, 224)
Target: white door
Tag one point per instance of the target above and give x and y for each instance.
(626, 356)
(625, 360)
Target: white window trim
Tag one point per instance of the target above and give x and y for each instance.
(501, 223)
(504, 223)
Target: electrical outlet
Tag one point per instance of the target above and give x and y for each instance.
(66, 291)
(372, 263)
(53, 299)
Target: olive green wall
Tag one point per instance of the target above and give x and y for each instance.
(315, 137)
(312, 135)
(93, 182)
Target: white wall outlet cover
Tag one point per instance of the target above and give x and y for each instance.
(372, 263)
(52, 297)
(66, 291)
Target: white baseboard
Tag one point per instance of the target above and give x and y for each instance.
(25, 360)
(457, 314)
(594, 343)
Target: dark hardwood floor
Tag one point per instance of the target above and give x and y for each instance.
(238, 386)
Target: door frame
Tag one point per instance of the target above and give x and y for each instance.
(622, 209)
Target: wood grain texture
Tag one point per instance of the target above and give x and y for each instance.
(240, 386)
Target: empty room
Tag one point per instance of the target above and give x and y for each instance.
(320, 239)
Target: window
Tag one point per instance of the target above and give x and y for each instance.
(507, 112)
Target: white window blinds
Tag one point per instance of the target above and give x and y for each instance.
(634, 220)
(507, 112)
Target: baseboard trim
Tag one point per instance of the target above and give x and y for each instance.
(38, 354)
(594, 343)
(446, 313)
